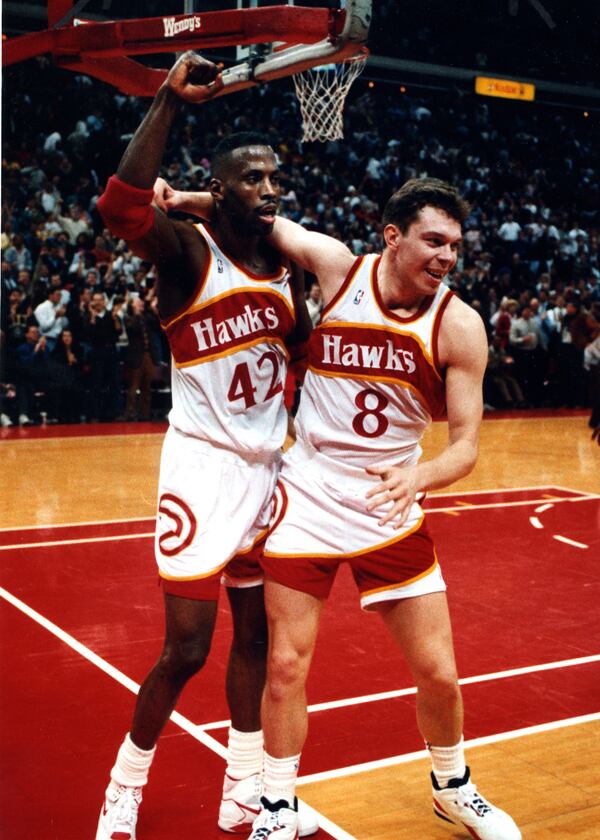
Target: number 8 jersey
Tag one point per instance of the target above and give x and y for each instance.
(374, 380)
(229, 356)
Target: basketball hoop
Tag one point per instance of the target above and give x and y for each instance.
(322, 92)
(290, 39)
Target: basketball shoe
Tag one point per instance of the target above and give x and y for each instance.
(240, 806)
(119, 813)
(461, 804)
(276, 821)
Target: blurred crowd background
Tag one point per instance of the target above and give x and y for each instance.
(81, 339)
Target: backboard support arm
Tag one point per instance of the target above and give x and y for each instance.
(310, 37)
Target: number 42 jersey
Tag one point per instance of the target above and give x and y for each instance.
(230, 358)
(374, 380)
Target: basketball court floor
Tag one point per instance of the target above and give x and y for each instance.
(81, 621)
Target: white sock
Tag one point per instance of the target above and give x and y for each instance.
(448, 762)
(132, 764)
(279, 779)
(244, 753)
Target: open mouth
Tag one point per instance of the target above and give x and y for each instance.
(268, 213)
(435, 275)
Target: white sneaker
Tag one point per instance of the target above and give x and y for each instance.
(277, 820)
(5, 421)
(461, 804)
(240, 803)
(240, 806)
(308, 820)
(24, 420)
(119, 813)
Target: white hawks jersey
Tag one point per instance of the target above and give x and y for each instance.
(374, 380)
(229, 356)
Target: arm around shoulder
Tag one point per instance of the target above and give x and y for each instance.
(328, 258)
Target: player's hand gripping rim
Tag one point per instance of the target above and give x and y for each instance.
(194, 79)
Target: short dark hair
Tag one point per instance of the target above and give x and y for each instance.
(235, 141)
(405, 204)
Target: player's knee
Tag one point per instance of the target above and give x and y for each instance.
(287, 672)
(184, 659)
(439, 678)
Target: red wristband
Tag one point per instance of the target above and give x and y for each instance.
(126, 210)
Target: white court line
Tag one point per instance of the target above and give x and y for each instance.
(569, 490)
(404, 692)
(475, 742)
(51, 527)
(76, 542)
(537, 524)
(109, 669)
(48, 526)
(569, 542)
(521, 503)
(195, 731)
(212, 744)
(510, 490)
(452, 509)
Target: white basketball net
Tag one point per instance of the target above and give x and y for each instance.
(322, 92)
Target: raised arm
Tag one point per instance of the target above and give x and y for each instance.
(328, 258)
(126, 205)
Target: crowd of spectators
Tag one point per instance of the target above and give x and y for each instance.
(509, 38)
(79, 319)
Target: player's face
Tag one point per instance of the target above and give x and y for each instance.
(428, 250)
(251, 190)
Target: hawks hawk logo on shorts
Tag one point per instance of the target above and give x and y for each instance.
(176, 525)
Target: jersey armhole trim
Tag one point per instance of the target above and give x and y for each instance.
(275, 275)
(437, 323)
(199, 287)
(389, 313)
(344, 287)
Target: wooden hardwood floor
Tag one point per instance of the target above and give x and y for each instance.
(85, 478)
(549, 781)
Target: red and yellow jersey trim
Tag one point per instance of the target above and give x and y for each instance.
(275, 275)
(388, 313)
(235, 319)
(376, 378)
(212, 572)
(435, 333)
(404, 583)
(346, 325)
(244, 290)
(198, 289)
(343, 290)
(348, 554)
(230, 350)
(260, 536)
